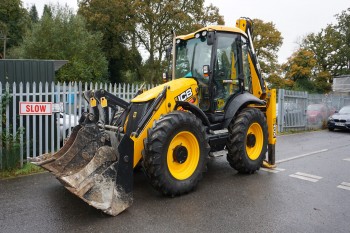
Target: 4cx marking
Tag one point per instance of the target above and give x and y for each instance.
(184, 95)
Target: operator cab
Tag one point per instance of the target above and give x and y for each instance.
(217, 57)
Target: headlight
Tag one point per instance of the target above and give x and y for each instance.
(330, 118)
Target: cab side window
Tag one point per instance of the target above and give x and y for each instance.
(246, 67)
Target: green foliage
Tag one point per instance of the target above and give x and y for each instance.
(27, 169)
(10, 142)
(324, 45)
(331, 51)
(63, 36)
(33, 14)
(155, 19)
(47, 11)
(127, 25)
(267, 42)
(302, 73)
(343, 27)
(115, 24)
(14, 21)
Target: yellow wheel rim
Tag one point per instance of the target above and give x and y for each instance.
(254, 141)
(183, 167)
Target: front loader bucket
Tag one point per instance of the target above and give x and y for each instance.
(97, 183)
(89, 166)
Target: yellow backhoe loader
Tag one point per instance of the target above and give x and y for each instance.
(214, 101)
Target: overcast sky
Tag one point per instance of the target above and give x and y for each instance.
(293, 18)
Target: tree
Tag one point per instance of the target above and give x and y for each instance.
(298, 69)
(325, 45)
(64, 36)
(33, 14)
(127, 25)
(13, 22)
(47, 10)
(155, 19)
(116, 25)
(302, 73)
(267, 41)
(343, 27)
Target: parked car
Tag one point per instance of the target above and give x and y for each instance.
(340, 120)
(67, 122)
(318, 113)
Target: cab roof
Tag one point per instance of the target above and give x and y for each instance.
(213, 28)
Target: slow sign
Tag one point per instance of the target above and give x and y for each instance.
(35, 108)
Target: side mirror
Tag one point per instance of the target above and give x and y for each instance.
(336, 111)
(206, 70)
(210, 38)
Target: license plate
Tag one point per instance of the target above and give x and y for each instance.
(339, 124)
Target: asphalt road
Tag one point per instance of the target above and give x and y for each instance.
(306, 193)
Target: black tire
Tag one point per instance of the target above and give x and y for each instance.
(239, 140)
(159, 148)
(330, 129)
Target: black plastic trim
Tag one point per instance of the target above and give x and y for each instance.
(237, 103)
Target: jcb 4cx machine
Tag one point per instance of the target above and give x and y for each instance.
(215, 101)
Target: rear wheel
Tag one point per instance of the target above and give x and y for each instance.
(247, 143)
(176, 152)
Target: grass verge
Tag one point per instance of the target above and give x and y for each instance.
(27, 169)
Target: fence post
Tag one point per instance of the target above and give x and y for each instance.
(65, 106)
(53, 120)
(40, 121)
(14, 125)
(27, 123)
(7, 88)
(47, 119)
(21, 126)
(280, 110)
(34, 122)
(58, 91)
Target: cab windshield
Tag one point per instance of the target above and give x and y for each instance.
(191, 56)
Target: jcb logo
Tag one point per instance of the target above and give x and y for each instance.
(184, 95)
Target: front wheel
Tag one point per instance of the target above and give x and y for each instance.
(247, 143)
(176, 152)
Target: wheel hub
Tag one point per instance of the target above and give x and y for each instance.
(251, 140)
(180, 154)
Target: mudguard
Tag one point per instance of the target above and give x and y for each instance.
(241, 100)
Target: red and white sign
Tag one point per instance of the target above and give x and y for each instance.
(35, 108)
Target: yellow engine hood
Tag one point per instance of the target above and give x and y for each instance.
(176, 86)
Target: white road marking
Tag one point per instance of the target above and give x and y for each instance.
(300, 156)
(308, 175)
(344, 185)
(305, 176)
(273, 170)
(348, 159)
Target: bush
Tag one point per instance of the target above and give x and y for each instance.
(10, 143)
